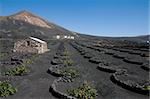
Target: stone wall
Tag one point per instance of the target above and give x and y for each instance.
(24, 49)
(30, 46)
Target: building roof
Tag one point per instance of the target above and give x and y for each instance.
(36, 39)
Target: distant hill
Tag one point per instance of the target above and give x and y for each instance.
(24, 24)
(142, 38)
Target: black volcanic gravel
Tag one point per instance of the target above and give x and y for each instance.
(36, 85)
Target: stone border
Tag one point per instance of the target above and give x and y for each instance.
(118, 56)
(132, 61)
(124, 50)
(57, 93)
(146, 50)
(56, 61)
(144, 55)
(106, 68)
(96, 61)
(135, 53)
(109, 53)
(100, 50)
(146, 67)
(130, 85)
(88, 55)
(82, 52)
(53, 72)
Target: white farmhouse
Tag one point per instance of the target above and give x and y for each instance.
(58, 37)
(72, 37)
(64, 37)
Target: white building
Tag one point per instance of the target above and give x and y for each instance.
(58, 37)
(64, 37)
(68, 37)
(72, 37)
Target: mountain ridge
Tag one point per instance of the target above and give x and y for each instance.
(25, 23)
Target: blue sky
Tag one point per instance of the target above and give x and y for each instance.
(94, 17)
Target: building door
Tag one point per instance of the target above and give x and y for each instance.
(28, 43)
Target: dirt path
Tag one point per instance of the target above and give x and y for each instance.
(37, 84)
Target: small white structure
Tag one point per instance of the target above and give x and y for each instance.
(64, 37)
(68, 37)
(58, 37)
(148, 42)
(72, 37)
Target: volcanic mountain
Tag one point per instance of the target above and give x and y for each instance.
(25, 24)
(31, 19)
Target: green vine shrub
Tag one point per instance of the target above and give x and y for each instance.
(18, 71)
(85, 91)
(6, 89)
(69, 71)
(68, 62)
